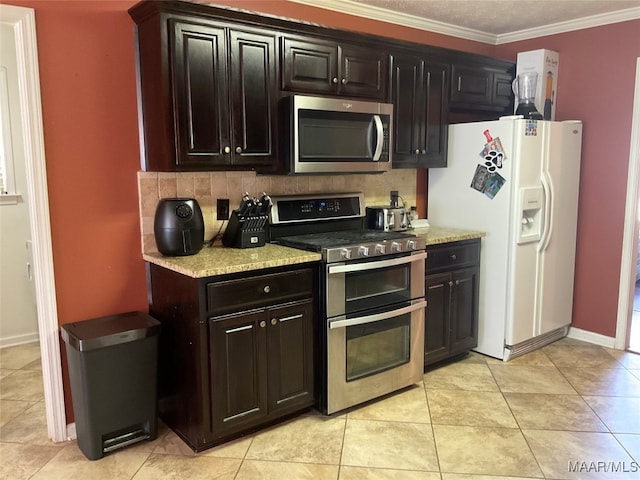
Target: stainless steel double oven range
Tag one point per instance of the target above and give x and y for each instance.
(373, 298)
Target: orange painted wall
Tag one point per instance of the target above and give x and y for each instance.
(87, 77)
(87, 73)
(596, 85)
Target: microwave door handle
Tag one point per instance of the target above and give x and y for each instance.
(379, 137)
(342, 322)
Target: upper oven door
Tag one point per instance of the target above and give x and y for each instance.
(332, 135)
(358, 286)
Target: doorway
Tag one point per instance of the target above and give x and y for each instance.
(628, 323)
(22, 23)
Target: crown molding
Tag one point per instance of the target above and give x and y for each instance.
(571, 25)
(398, 18)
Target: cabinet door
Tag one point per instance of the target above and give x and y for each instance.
(239, 370)
(363, 72)
(502, 92)
(408, 109)
(420, 98)
(291, 357)
(471, 85)
(437, 327)
(253, 97)
(436, 88)
(200, 89)
(309, 66)
(464, 315)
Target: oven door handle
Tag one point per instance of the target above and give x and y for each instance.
(359, 267)
(350, 322)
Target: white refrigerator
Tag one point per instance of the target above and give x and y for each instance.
(517, 180)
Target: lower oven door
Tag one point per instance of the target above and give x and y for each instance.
(372, 355)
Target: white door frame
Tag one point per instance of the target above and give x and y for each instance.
(630, 235)
(22, 20)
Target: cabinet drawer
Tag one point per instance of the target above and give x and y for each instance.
(452, 255)
(259, 291)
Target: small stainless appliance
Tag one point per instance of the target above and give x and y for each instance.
(178, 226)
(388, 219)
(338, 135)
(373, 298)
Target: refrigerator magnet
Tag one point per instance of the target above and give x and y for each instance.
(493, 185)
(480, 178)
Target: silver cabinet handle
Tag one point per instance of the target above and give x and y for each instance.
(266, 289)
(274, 321)
(344, 81)
(238, 149)
(227, 149)
(334, 80)
(263, 324)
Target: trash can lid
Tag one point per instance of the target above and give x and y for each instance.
(108, 331)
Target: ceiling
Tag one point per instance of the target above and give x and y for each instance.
(491, 21)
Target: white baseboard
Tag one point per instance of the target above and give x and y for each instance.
(71, 431)
(19, 339)
(591, 337)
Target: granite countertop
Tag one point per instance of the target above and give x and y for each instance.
(435, 235)
(220, 260)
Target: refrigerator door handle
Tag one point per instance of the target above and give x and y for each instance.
(547, 187)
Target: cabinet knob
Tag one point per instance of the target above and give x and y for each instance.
(450, 283)
(417, 151)
(344, 81)
(274, 321)
(266, 289)
(453, 257)
(457, 282)
(227, 149)
(238, 149)
(263, 324)
(424, 151)
(334, 80)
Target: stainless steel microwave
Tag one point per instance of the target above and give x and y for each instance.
(336, 135)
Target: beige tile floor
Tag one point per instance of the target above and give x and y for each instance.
(569, 406)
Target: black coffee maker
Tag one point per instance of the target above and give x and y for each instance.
(178, 227)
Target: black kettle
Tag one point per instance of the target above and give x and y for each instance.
(178, 227)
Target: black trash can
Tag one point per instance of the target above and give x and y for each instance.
(113, 372)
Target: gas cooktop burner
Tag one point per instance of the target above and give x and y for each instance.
(318, 241)
(333, 225)
(354, 244)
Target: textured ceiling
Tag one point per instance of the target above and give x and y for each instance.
(500, 17)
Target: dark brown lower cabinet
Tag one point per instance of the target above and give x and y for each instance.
(236, 352)
(452, 289)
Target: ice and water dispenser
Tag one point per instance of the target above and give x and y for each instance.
(530, 208)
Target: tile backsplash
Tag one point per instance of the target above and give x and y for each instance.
(206, 187)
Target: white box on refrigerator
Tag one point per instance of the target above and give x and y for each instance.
(545, 64)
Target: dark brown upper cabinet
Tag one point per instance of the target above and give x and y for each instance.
(482, 86)
(209, 99)
(211, 80)
(420, 93)
(312, 65)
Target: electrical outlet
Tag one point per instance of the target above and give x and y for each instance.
(222, 209)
